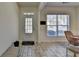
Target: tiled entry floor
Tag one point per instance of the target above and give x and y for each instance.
(44, 50)
(28, 51)
(11, 52)
(41, 50)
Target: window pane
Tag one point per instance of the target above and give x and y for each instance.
(30, 28)
(51, 19)
(30, 19)
(28, 25)
(26, 20)
(51, 30)
(61, 30)
(57, 24)
(63, 19)
(30, 31)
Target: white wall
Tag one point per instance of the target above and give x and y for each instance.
(8, 25)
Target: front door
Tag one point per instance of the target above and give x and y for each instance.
(29, 27)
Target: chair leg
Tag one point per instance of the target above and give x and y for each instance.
(67, 49)
(66, 52)
(74, 54)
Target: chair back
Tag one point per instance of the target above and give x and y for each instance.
(68, 35)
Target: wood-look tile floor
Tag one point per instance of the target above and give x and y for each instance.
(41, 50)
(11, 52)
(44, 50)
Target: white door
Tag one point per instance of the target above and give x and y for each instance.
(29, 27)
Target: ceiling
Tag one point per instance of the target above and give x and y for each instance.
(73, 4)
(36, 4)
(29, 4)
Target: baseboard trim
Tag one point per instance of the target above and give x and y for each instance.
(53, 42)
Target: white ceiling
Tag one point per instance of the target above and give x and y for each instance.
(29, 4)
(36, 4)
(73, 4)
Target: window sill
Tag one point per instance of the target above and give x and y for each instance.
(56, 36)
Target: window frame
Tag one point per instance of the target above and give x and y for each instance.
(68, 26)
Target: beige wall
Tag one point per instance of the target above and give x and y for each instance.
(74, 23)
(77, 15)
(8, 25)
(41, 29)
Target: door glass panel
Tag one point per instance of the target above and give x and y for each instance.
(28, 25)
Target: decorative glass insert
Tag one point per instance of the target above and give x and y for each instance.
(28, 25)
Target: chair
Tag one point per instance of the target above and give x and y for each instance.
(72, 39)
